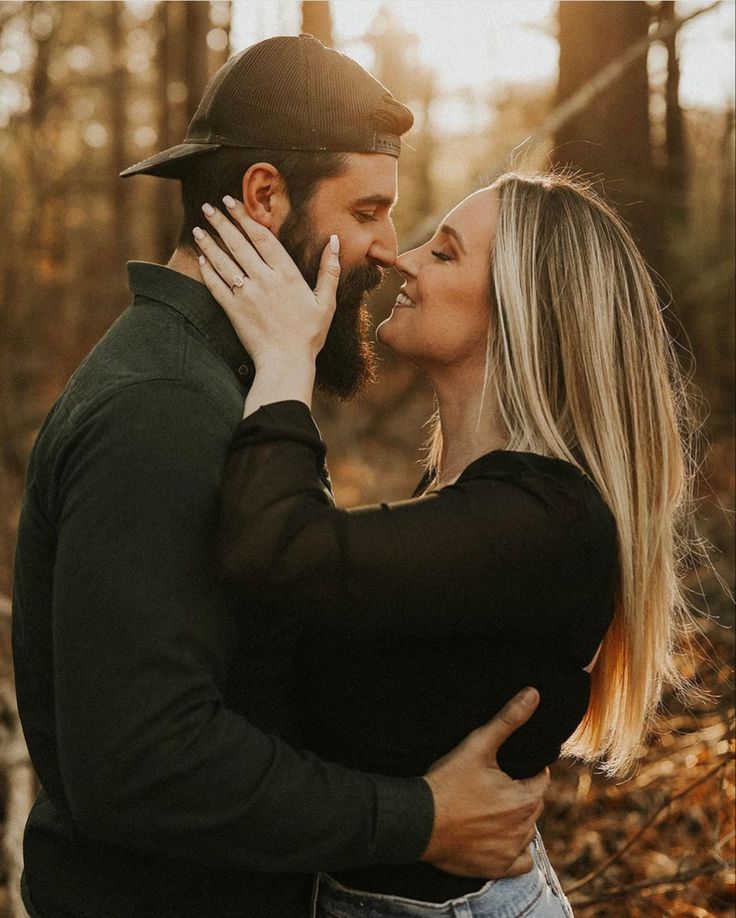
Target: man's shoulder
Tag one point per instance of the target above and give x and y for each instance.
(151, 394)
(151, 347)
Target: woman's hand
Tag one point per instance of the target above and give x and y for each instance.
(260, 288)
(280, 321)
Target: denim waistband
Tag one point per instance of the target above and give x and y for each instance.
(506, 898)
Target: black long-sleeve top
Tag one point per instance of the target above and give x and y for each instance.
(166, 791)
(412, 623)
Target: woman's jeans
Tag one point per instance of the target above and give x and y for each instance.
(536, 894)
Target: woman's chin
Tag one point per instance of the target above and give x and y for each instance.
(390, 334)
(385, 334)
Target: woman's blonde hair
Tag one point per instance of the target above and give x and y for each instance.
(583, 369)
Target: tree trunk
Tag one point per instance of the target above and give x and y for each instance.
(726, 212)
(168, 122)
(675, 176)
(195, 70)
(120, 229)
(317, 20)
(610, 139)
(184, 66)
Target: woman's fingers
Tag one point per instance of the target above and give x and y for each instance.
(236, 309)
(266, 244)
(230, 271)
(215, 284)
(239, 247)
(329, 276)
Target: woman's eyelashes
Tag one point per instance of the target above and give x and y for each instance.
(441, 256)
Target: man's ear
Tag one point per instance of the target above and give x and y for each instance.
(264, 196)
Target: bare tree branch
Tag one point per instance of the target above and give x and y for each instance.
(604, 865)
(675, 879)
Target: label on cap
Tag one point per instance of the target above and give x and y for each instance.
(387, 143)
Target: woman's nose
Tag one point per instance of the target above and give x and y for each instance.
(406, 263)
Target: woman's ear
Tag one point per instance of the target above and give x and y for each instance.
(264, 196)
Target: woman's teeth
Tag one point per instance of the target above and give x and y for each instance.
(403, 300)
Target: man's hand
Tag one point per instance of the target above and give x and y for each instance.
(484, 820)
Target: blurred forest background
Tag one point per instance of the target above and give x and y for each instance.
(87, 88)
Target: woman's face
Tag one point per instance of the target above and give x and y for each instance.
(440, 319)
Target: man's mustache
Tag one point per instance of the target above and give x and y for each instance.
(358, 281)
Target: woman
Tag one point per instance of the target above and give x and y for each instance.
(543, 547)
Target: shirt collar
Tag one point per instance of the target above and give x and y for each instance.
(194, 301)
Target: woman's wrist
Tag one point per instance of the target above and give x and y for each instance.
(281, 378)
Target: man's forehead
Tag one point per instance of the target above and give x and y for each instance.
(376, 200)
(368, 181)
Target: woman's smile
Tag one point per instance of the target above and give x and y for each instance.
(403, 300)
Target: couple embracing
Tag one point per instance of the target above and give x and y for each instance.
(242, 700)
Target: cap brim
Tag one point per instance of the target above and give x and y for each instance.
(168, 163)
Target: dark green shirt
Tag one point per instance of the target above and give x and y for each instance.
(164, 793)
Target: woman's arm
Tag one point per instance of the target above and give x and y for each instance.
(512, 550)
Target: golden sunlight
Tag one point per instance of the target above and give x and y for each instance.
(486, 45)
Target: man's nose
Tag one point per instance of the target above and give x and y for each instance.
(384, 246)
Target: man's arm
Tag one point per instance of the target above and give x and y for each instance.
(150, 756)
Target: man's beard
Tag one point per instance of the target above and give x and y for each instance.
(346, 363)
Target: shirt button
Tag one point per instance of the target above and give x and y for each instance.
(243, 370)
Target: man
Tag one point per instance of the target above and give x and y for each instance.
(150, 710)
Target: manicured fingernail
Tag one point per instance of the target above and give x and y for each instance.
(208, 209)
(198, 233)
(202, 259)
(335, 244)
(228, 201)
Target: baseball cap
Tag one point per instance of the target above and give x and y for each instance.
(288, 93)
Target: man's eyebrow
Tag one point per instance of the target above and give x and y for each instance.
(451, 231)
(375, 200)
